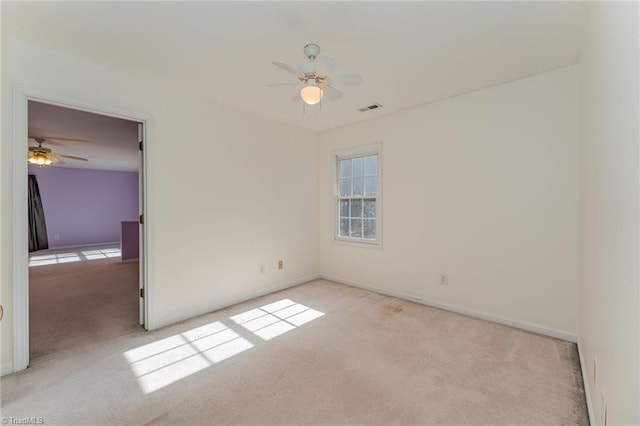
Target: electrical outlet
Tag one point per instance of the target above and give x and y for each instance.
(56, 237)
(595, 371)
(444, 279)
(262, 268)
(280, 264)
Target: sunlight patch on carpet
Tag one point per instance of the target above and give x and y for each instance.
(101, 254)
(166, 361)
(276, 318)
(73, 256)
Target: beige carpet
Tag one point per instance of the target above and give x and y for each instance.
(72, 304)
(318, 353)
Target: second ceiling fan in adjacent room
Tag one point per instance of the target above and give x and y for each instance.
(41, 156)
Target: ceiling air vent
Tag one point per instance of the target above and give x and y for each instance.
(369, 108)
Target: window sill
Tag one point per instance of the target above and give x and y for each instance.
(373, 245)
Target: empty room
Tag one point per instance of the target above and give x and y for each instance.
(83, 257)
(348, 213)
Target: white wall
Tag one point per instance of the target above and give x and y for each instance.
(228, 190)
(609, 210)
(483, 187)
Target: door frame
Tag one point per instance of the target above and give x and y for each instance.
(21, 97)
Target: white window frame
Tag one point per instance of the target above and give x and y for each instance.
(344, 154)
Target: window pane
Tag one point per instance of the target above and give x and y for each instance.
(345, 168)
(356, 208)
(344, 228)
(371, 165)
(371, 185)
(369, 208)
(356, 228)
(357, 200)
(344, 208)
(358, 166)
(370, 228)
(345, 187)
(358, 186)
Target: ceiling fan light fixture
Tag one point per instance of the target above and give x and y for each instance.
(40, 159)
(311, 95)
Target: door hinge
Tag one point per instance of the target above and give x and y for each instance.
(141, 219)
(140, 145)
(142, 292)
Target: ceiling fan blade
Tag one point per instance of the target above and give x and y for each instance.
(346, 80)
(71, 157)
(280, 84)
(332, 93)
(288, 68)
(325, 64)
(46, 139)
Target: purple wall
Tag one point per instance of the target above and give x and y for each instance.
(86, 206)
(130, 240)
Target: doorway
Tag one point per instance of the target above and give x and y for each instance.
(53, 284)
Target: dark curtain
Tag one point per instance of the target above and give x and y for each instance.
(37, 227)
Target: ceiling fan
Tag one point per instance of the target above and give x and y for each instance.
(315, 77)
(40, 156)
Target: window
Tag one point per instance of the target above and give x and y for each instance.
(357, 198)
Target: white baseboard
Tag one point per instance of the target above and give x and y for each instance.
(6, 369)
(212, 308)
(558, 334)
(585, 383)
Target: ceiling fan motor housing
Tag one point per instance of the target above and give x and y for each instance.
(311, 51)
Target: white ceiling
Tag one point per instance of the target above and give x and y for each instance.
(108, 143)
(408, 53)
